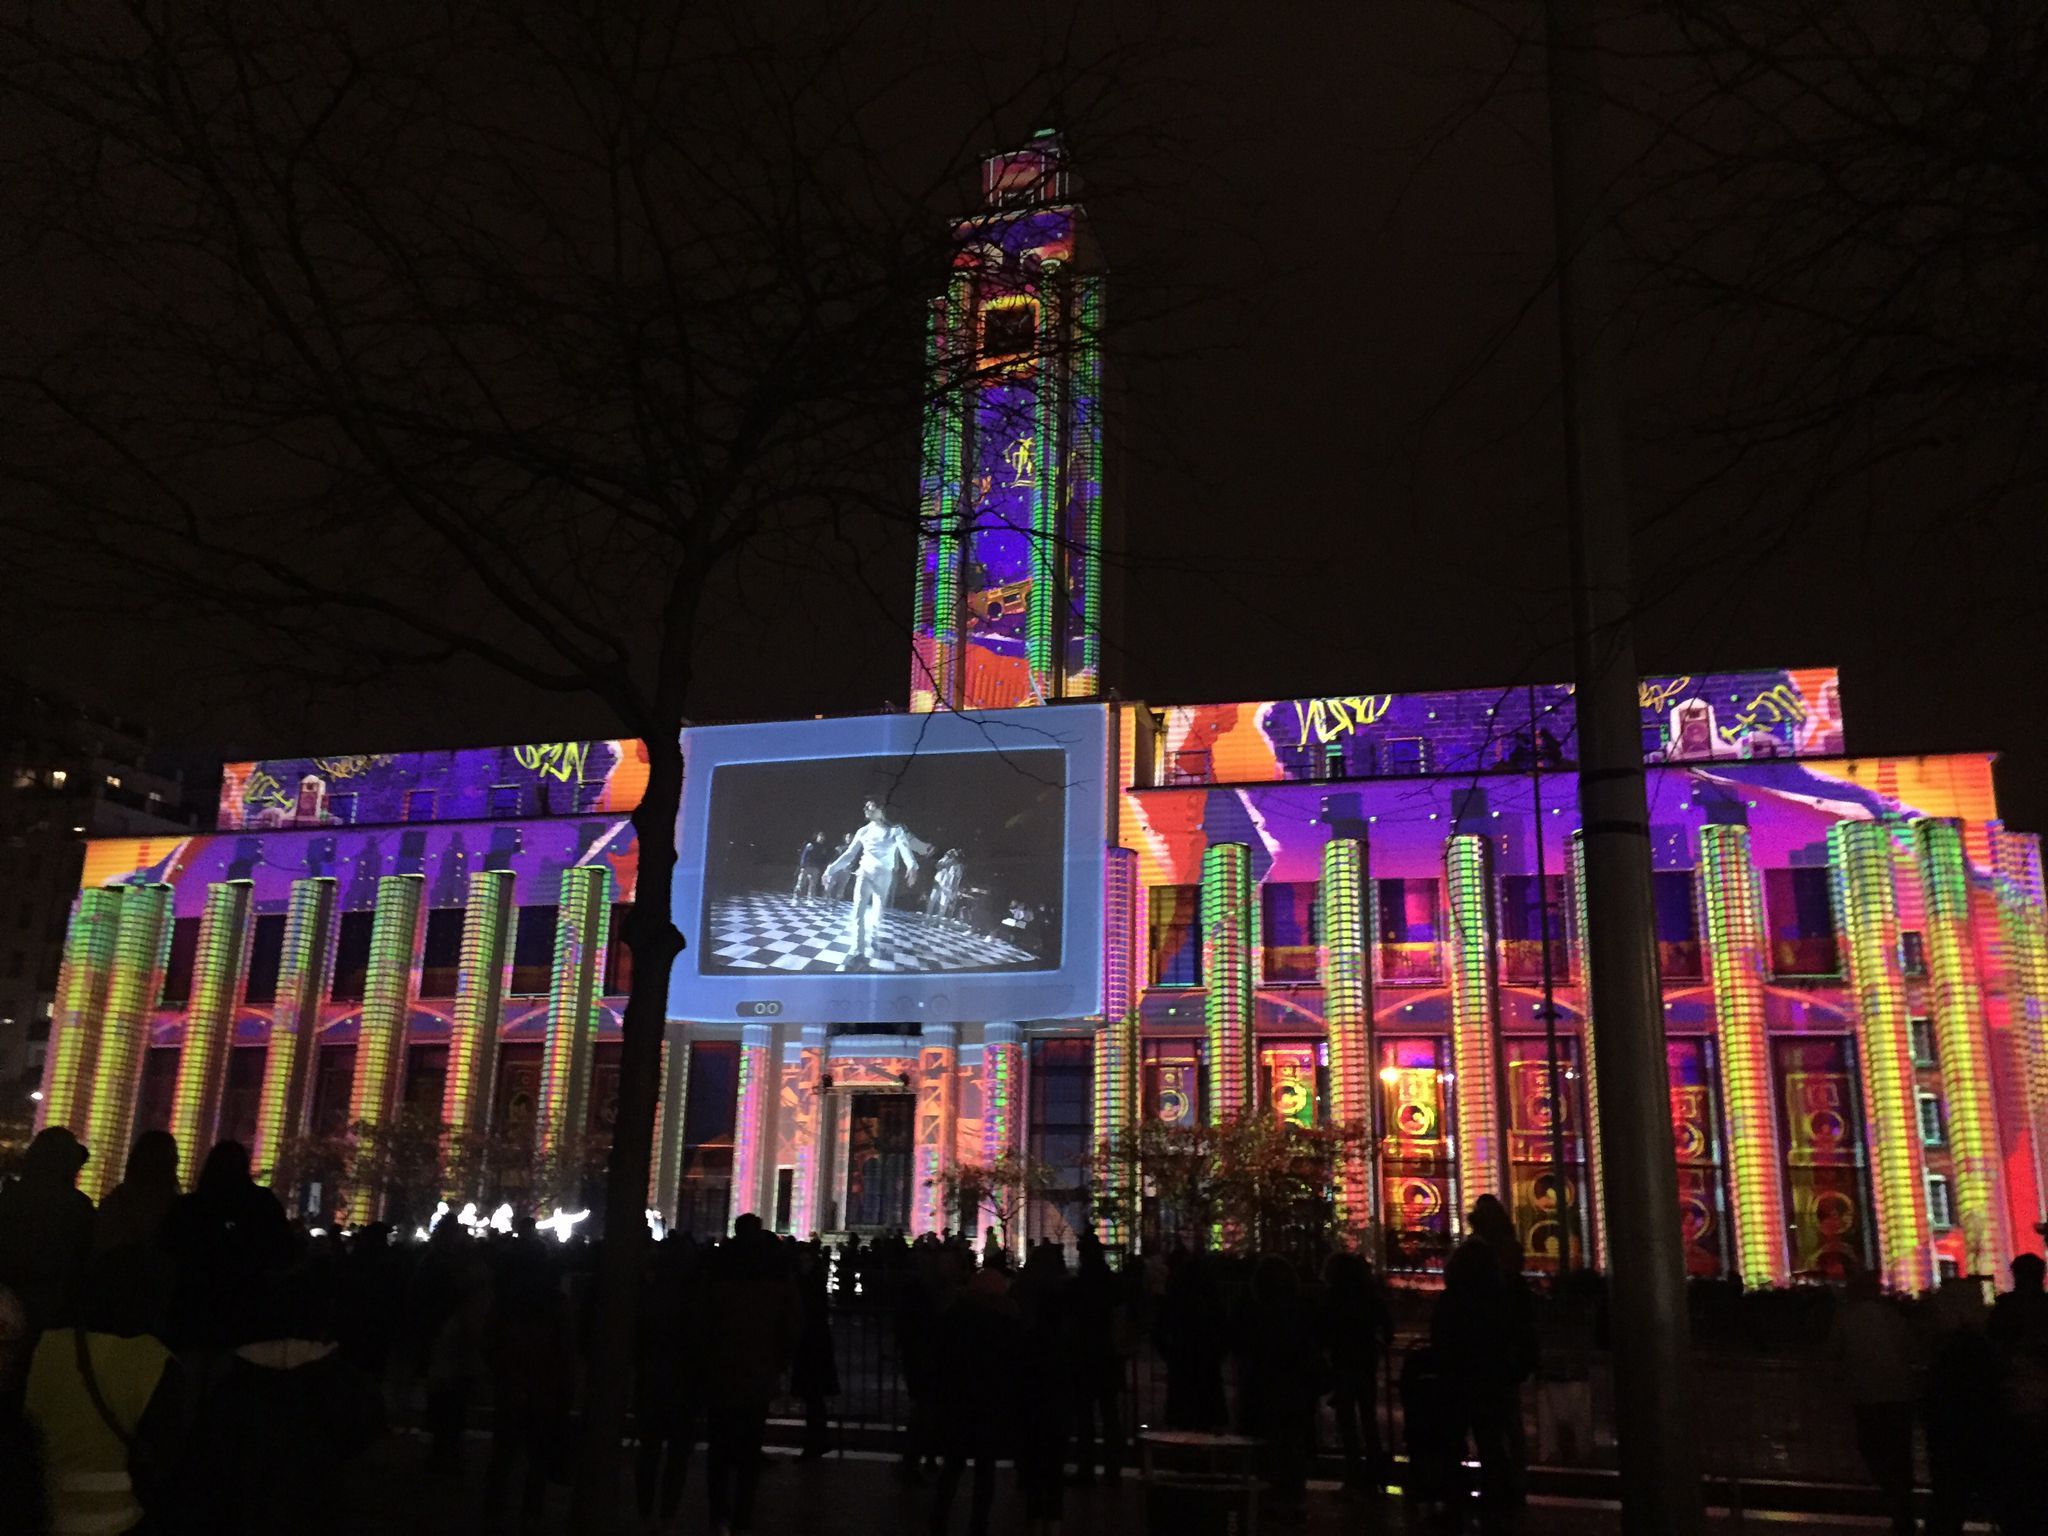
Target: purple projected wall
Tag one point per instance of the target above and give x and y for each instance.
(1720, 716)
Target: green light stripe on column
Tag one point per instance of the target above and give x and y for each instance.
(580, 924)
(1867, 919)
(210, 1021)
(1346, 969)
(668, 1120)
(142, 944)
(1582, 963)
(1228, 940)
(1475, 1053)
(1042, 618)
(387, 997)
(81, 1002)
(949, 402)
(479, 1002)
(1732, 906)
(1087, 461)
(1962, 1048)
(294, 1024)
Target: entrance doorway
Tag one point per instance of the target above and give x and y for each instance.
(879, 1133)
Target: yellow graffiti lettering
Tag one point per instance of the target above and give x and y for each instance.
(1329, 718)
(262, 789)
(559, 760)
(1779, 705)
(1022, 457)
(353, 766)
(1658, 696)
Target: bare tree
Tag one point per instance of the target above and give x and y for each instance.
(1832, 216)
(515, 335)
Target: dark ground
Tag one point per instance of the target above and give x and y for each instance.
(860, 1496)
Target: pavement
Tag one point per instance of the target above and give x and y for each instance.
(390, 1493)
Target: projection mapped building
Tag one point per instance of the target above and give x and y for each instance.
(929, 940)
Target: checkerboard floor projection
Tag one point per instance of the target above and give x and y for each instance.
(764, 931)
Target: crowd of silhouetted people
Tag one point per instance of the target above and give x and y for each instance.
(183, 1357)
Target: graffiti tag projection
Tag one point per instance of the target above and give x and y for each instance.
(559, 760)
(1329, 719)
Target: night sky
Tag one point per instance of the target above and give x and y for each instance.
(1336, 460)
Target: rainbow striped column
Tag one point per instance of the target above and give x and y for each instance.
(945, 454)
(750, 1119)
(1345, 964)
(1475, 1051)
(1086, 474)
(670, 1102)
(938, 1057)
(1229, 948)
(1002, 1079)
(1867, 918)
(387, 997)
(1589, 1060)
(2023, 928)
(142, 944)
(1123, 932)
(479, 1003)
(1962, 1047)
(805, 1117)
(81, 1000)
(1116, 1098)
(1042, 618)
(294, 1023)
(1735, 952)
(562, 1109)
(210, 1021)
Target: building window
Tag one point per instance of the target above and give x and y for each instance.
(1676, 899)
(1008, 329)
(266, 958)
(1062, 1084)
(352, 956)
(419, 805)
(504, 800)
(1799, 904)
(441, 952)
(533, 950)
(710, 1112)
(1527, 913)
(1408, 930)
(1913, 952)
(1932, 1132)
(1941, 1213)
(178, 969)
(618, 957)
(1922, 1033)
(1291, 931)
(342, 809)
(1404, 754)
(1173, 916)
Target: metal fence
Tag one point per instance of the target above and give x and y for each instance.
(1761, 1417)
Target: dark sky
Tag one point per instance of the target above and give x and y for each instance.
(1338, 463)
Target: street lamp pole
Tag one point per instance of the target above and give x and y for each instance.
(1660, 1481)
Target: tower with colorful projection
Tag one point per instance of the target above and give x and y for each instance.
(1009, 558)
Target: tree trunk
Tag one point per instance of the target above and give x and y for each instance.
(600, 1491)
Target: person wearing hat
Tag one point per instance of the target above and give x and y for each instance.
(46, 1229)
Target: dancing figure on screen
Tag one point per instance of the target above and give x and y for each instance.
(874, 852)
(810, 865)
(944, 897)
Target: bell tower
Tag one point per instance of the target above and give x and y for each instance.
(1009, 556)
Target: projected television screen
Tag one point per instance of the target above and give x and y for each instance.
(894, 869)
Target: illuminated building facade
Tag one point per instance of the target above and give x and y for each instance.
(1361, 911)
